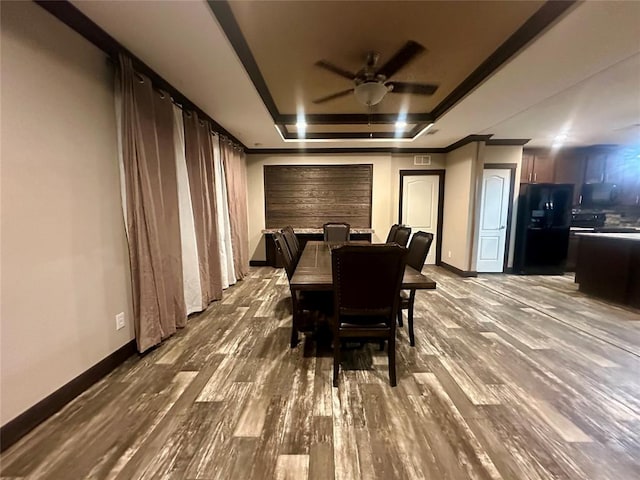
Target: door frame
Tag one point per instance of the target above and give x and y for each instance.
(507, 238)
(440, 173)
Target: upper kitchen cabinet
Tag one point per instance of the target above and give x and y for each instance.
(596, 165)
(537, 167)
(526, 166)
(605, 165)
(619, 166)
(570, 168)
(615, 168)
(630, 182)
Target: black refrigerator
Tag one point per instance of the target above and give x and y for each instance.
(542, 228)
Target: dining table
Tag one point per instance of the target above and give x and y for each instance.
(313, 272)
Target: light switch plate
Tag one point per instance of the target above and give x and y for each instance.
(120, 321)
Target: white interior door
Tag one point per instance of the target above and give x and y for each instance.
(420, 206)
(494, 209)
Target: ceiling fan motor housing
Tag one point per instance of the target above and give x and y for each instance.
(370, 93)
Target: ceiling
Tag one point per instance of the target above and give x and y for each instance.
(250, 66)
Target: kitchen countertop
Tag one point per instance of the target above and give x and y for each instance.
(592, 229)
(613, 236)
(581, 229)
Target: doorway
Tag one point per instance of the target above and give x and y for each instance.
(495, 217)
(421, 205)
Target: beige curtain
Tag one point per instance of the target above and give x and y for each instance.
(200, 167)
(235, 169)
(224, 226)
(151, 201)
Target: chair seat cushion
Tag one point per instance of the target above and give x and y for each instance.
(360, 322)
(359, 326)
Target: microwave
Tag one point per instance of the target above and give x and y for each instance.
(599, 195)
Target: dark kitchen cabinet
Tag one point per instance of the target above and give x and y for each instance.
(577, 166)
(596, 167)
(614, 169)
(569, 168)
(572, 253)
(630, 182)
(617, 166)
(527, 165)
(537, 167)
(543, 168)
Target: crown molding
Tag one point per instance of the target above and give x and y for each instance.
(508, 142)
(358, 150)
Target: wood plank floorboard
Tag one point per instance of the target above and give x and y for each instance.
(512, 377)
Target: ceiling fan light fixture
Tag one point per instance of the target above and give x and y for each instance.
(370, 93)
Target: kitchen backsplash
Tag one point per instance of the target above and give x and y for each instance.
(630, 217)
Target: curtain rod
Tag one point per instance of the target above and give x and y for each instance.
(114, 62)
(206, 119)
(163, 93)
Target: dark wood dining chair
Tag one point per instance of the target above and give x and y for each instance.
(392, 233)
(402, 235)
(336, 231)
(418, 251)
(307, 308)
(366, 292)
(292, 243)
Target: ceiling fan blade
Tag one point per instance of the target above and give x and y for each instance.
(416, 88)
(334, 95)
(335, 69)
(402, 57)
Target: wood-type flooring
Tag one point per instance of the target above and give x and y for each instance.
(511, 378)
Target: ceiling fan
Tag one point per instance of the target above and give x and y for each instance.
(371, 83)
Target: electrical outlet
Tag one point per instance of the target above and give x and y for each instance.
(449, 254)
(120, 321)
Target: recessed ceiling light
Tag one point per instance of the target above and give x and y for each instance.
(301, 125)
(401, 124)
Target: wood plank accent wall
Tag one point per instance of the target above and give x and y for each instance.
(308, 196)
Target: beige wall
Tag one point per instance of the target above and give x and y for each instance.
(459, 205)
(462, 180)
(386, 186)
(65, 270)
(463, 183)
